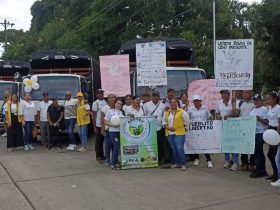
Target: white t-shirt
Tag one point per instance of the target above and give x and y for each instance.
(105, 110)
(245, 108)
(125, 107)
(262, 113)
(13, 108)
(201, 114)
(224, 110)
(149, 107)
(43, 109)
(110, 113)
(28, 110)
(273, 115)
(70, 109)
(135, 112)
(97, 107)
(183, 106)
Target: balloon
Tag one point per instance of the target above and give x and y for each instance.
(34, 78)
(25, 81)
(27, 89)
(35, 86)
(271, 137)
(115, 120)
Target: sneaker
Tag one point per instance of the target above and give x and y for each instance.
(4, 135)
(184, 168)
(276, 184)
(59, 147)
(271, 178)
(70, 145)
(114, 167)
(234, 167)
(227, 165)
(73, 147)
(196, 162)
(26, 148)
(209, 164)
(107, 162)
(31, 147)
(174, 166)
(258, 174)
(82, 149)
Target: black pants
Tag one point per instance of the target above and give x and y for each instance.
(14, 133)
(246, 161)
(271, 154)
(160, 139)
(54, 136)
(166, 151)
(259, 155)
(99, 151)
(196, 156)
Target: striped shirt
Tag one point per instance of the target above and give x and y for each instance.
(70, 109)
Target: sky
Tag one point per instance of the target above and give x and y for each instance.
(18, 12)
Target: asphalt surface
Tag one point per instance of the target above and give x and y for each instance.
(58, 179)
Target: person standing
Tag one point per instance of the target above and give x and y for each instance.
(175, 121)
(170, 95)
(155, 108)
(224, 111)
(70, 114)
(146, 97)
(55, 116)
(184, 102)
(199, 113)
(4, 110)
(28, 115)
(14, 125)
(42, 118)
(96, 120)
(114, 131)
(136, 110)
(273, 117)
(127, 102)
(83, 120)
(260, 112)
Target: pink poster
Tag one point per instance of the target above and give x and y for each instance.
(115, 78)
(206, 88)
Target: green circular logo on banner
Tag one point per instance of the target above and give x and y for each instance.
(136, 129)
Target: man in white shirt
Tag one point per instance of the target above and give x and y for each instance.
(170, 95)
(70, 116)
(42, 118)
(96, 120)
(155, 108)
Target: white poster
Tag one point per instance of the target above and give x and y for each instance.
(151, 64)
(234, 64)
(204, 137)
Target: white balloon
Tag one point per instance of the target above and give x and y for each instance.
(35, 86)
(27, 89)
(271, 137)
(34, 78)
(115, 120)
(25, 81)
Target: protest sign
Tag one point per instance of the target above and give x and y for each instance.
(115, 78)
(234, 64)
(203, 137)
(206, 88)
(138, 142)
(238, 135)
(151, 63)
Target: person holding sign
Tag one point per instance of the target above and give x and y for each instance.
(260, 111)
(136, 110)
(199, 113)
(224, 111)
(175, 121)
(112, 120)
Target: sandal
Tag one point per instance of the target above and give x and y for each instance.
(115, 167)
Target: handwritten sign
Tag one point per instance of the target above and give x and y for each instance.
(206, 88)
(234, 64)
(151, 64)
(238, 135)
(204, 137)
(115, 78)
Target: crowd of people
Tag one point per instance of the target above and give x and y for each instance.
(172, 117)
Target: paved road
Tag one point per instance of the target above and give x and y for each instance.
(55, 179)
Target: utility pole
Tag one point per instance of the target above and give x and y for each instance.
(6, 24)
(214, 35)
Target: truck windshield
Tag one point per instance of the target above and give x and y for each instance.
(55, 86)
(179, 80)
(11, 87)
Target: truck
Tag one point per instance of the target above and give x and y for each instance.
(180, 65)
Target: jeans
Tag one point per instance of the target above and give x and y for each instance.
(115, 140)
(44, 132)
(259, 155)
(28, 127)
(108, 147)
(177, 147)
(277, 160)
(83, 134)
(70, 125)
(234, 158)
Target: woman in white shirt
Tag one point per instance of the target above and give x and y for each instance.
(127, 102)
(136, 110)
(114, 131)
(13, 119)
(28, 114)
(184, 102)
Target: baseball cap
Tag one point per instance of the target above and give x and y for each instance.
(258, 96)
(45, 93)
(196, 97)
(54, 98)
(225, 91)
(155, 93)
(80, 94)
(99, 91)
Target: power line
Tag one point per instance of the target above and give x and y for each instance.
(6, 24)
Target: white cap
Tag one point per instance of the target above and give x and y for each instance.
(196, 97)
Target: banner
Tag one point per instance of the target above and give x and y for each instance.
(204, 137)
(206, 88)
(138, 142)
(115, 77)
(239, 135)
(234, 64)
(151, 64)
